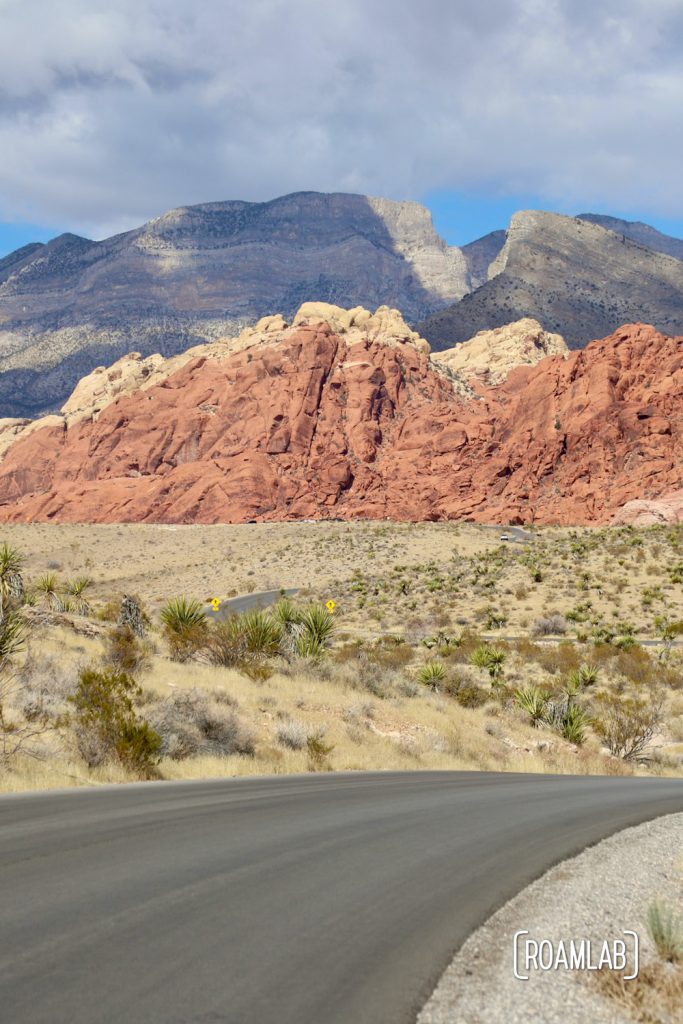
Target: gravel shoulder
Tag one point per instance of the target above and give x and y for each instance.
(596, 895)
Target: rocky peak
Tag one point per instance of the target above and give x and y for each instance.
(487, 358)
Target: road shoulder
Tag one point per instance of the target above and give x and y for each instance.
(596, 895)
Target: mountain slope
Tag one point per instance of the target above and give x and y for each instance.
(578, 279)
(638, 232)
(362, 423)
(198, 272)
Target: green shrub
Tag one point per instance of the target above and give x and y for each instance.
(261, 633)
(185, 627)
(107, 726)
(318, 753)
(490, 658)
(574, 724)
(11, 578)
(469, 695)
(75, 590)
(48, 591)
(532, 700)
(665, 928)
(126, 652)
(626, 724)
(318, 627)
(431, 674)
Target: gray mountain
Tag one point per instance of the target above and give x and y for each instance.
(576, 278)
(638, 232)
(202, 271)
(480, 254)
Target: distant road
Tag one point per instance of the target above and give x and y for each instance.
(319, 899)
(237, 605)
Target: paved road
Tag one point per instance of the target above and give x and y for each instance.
(322, 899)
(515, 533)
(238, 605)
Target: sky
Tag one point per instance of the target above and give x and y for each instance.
(113, 113)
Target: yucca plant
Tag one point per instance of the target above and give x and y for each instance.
(432, 674)
(12, 636)
(574, 724)
(665, 927)
(534, 702)
(47, 590)
(185, 626)
(490, 658)
(76, 594)
(261, 632)
(317, 630)
(11, 578)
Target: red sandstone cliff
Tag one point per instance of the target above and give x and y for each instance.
(323, 420)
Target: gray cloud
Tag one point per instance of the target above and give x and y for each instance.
(112, 113)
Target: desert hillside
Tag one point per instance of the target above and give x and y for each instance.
(344, 414)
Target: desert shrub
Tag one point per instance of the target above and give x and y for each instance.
(185, 627)
(432, 674)
(584, 675)
(490, 658)
(665, 928)
(47, 590)
(550, 625)
(495, 619)
(261, 633)
(318, 627)
(194, 722)
(533, 701)
(44, 686)
(11, 578)
(226, 644)
(292, 734)
(469, 695)
(574, 724)
(319, 752)
(132, 614)
(76, 594)
(17, 730)
(126, 652)
(626, 724)
(107, 726)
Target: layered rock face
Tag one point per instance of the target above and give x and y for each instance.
(345, 414)
(576, 278)
(200, 272)
(488, 358)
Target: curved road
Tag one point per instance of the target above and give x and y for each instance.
(320, 899)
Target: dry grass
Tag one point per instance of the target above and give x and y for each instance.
(654, 997)
(406, 580)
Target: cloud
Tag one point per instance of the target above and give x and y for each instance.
(112, 113)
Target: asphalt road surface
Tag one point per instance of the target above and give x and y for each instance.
(245, 603)
(321, 899)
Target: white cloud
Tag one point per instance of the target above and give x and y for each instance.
(112, 113)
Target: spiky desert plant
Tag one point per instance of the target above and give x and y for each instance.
(574, 724)
(665, 928)
(12, 636)
(534, 701)
(76, 593)
(261, 632)
(47, 590)
(490, 658)
(11, 578)
(185, 627)
(432, 674)
(318, 628)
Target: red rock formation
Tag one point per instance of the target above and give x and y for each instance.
(323, 424)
